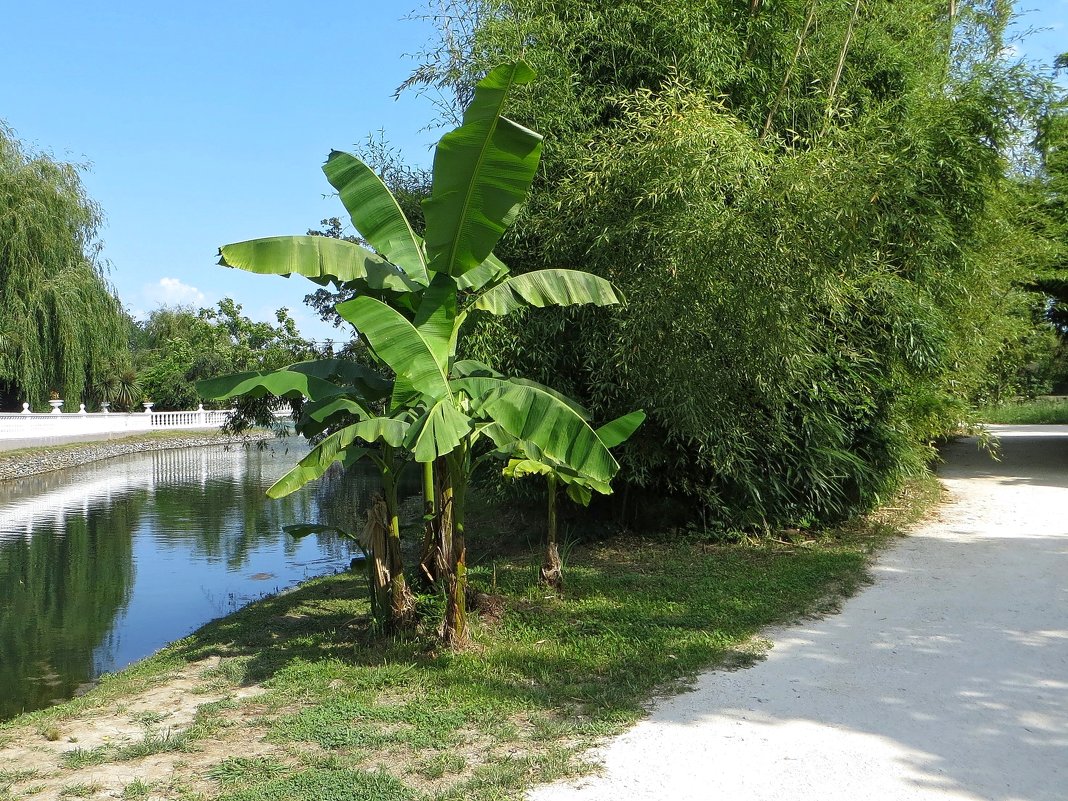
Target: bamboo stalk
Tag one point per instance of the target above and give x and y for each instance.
(809, 19)
(754, 9)
(841, 64)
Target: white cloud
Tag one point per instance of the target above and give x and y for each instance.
(172, 292)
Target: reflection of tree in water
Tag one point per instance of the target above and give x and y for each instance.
(343, 498)
(65, 581)
(60, 591)
(226, 515)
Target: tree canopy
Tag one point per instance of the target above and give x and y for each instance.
(177, 346)
(810, 208)
(61, 326)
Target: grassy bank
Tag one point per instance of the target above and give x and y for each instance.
(1042, 411)
(293, 698)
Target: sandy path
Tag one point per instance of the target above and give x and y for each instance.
(947, 679)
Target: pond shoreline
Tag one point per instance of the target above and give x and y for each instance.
(28, 462)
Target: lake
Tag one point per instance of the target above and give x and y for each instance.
(104, 564)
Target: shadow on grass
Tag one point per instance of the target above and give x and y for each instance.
(637, 617)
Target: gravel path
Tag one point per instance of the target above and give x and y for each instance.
(946, 679)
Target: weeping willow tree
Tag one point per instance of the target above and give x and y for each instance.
(61, 327)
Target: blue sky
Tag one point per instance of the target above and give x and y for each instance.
(206, 122)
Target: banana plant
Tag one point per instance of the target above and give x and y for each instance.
(524, 460)
(413, 296)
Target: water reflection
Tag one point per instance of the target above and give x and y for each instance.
(104, 564)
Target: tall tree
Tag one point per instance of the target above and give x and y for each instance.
(178, 346)
(61, 326)
(808, 208)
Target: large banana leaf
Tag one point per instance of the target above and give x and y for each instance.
(332, 449)
(488, 272)
(320, 411)
(436, 318)
(404, 396)
(375, 213)
(547, 288)
(318, 416)
(619, 430)
(398, 343)
(367, 381)
(479, 382)
(482, 173)
(533, 415)
(438, 431)
(338, 447)
(319, 258)
(469, 367)
(284, 383)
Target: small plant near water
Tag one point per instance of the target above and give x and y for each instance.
(82, 757)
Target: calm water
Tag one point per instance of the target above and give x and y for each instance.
(102, 565)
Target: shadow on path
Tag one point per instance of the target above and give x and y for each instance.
(948, 678)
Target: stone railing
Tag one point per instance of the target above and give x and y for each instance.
(27, 425)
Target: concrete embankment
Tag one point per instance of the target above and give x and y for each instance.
(29, 461)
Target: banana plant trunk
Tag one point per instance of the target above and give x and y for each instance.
(437, 529)
(454, 630)
(552, 570)
(375, 535)
(401, 600)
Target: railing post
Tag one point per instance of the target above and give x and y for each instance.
(25, 408)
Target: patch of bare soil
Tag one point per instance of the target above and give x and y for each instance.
(102, 751)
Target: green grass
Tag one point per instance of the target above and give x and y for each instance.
(246, 770)
(352, 716)
(1043, 411)
(81, 790)
(85, 757)
(136, 789)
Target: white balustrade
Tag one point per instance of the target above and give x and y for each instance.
(36, 425)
